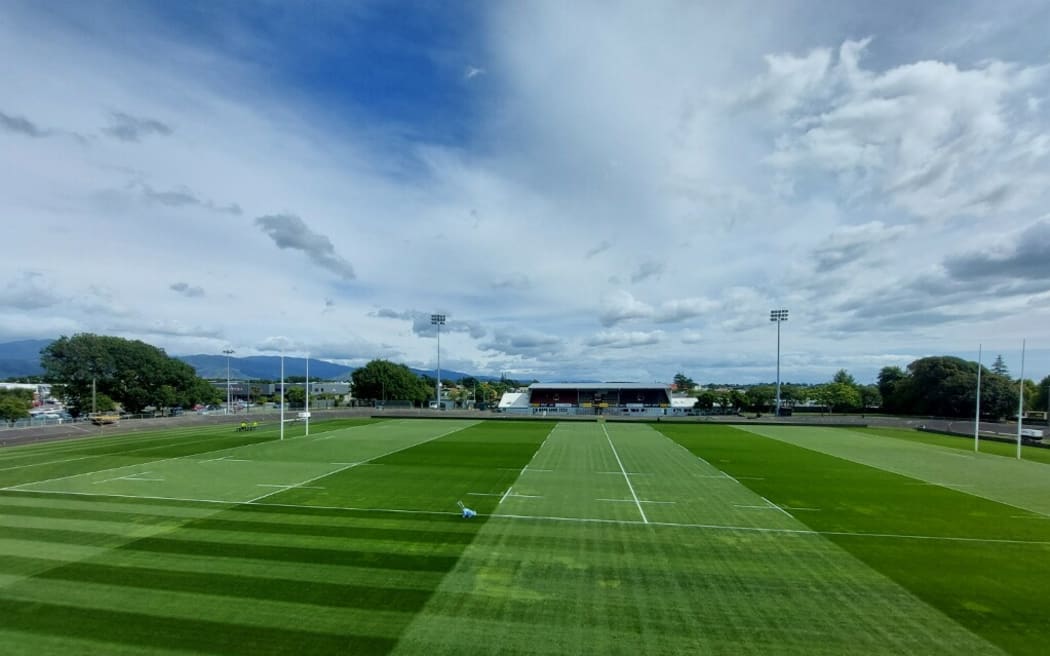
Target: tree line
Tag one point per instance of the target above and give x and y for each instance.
(942, 386)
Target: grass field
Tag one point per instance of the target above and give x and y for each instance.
(591, 538)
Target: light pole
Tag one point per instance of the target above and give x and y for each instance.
(228, 353)
(438, 320)
(778, 316)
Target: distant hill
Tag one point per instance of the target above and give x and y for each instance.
(21, 358)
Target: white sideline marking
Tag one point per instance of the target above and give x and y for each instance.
(485, 494)
(799, 508)
(625, 476)
(509, 489)
(581, 520)
(344, 463)
(633, 501)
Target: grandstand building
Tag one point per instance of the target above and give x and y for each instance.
(611, 399)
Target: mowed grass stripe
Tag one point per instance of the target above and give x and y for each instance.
(196, 635)
(965, 444)
(588, 585)
(995, 590)
(246, 544)
(136, 448)
(1020, 483)
(289, 613)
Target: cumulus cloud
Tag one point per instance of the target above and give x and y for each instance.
(1026, 257)
(525, 343)
(854, 243)
(28, 291)
(682, 309)
(126, 127)
(21, 125)
(622, 306)
(288, 231)
(422, 325)
(939, 139)
(187, 290)
(622, 340)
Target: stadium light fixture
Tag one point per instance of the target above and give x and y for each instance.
(438, 320)
(778, 316)
(228, 353)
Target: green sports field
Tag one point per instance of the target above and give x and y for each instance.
(603, 538)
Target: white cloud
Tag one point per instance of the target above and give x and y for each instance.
(622, 306)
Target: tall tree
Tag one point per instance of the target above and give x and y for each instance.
(1042, 400)
(999, 367)
(14, 404)
(683, 383)
(131, 372)
(893, 383)
(844, 377)
(381, 379)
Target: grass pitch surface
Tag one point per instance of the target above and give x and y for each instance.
(591, 538)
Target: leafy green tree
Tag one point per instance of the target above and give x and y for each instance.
(14, 404)
(870, 396)
(760, 397)
(683, 383)
(1042, 398)
(384, 379)
(894, 387)
(844, 377)
(295, 396)
(706, 400)
(132, 373)
(838, 395)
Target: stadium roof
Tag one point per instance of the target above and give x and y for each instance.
(598, 386)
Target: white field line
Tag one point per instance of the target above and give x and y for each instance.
(486, 494)
(580, 520)
(49, 462)
(627, 478)
(633, 501)
(800, 508)
(628, 473)
(508, 491)
(358, 464)
(522, 471)
(773, 505)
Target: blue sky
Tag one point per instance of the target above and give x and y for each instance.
(588, 190)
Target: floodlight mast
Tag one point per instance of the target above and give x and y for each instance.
(438, 320)
(778, 316)
(228, 353)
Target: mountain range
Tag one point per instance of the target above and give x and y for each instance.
(22, 358)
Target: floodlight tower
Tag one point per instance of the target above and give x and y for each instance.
(778, 316)
(438, 320)
(228, 353)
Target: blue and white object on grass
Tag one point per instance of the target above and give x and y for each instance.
(467, 512)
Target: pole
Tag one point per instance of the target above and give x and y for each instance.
(438, 320)
(1020, 401)
(437, 384)
(282, 395)
(94, 404)
(977, 411)
(228, 353)
(778, 369)
(307, 394)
